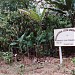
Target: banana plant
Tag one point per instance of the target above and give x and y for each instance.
(19, 41)
(24, 41)
(32, 14)
(30, 40)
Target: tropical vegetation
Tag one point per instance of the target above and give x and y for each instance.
(23, 30)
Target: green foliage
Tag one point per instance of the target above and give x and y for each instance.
(27, 32)
(33, 15)
(44, 52)
(1, 55)
(21, 38)
(30, 39)
(65, 7)
(22, 68)
(41, 37)
(7, 56)
(25, 28)
(73, 60)
(11, 5)
(52, 22)
(13, 43)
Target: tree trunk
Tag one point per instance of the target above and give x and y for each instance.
(73, 20)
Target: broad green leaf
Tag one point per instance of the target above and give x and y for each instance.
(13, 43)
(43, 40)
(41, 36)
(26, 12)
(21, 38)
(29, 43)
(34, 15)
(30, 36)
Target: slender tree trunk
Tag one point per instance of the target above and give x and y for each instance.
(73, 20)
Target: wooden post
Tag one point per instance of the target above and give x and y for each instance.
(60, 54)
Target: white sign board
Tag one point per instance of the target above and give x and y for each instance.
(64, 37)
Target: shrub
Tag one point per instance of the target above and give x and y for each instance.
(7, 56)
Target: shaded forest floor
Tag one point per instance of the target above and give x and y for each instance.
(47, 66)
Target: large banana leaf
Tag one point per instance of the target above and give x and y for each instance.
(24, 11)
(32, 14)
(20, 40)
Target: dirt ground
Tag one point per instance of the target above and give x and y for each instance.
(47, 66)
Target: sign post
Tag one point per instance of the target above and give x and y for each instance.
(64, 37)
(60, 54)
